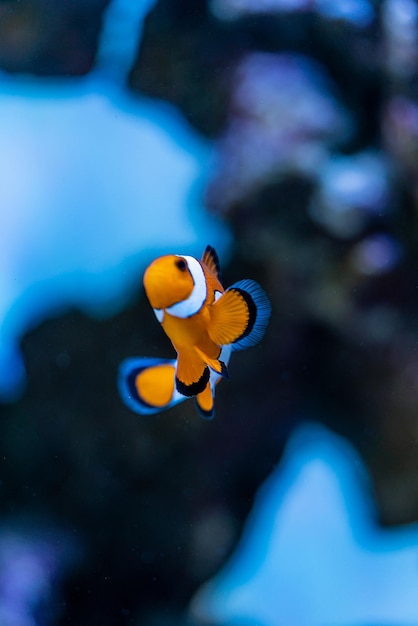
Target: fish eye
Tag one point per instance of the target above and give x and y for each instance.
(181, 265)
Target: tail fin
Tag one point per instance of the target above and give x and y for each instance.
(205, 402)
(147, 385)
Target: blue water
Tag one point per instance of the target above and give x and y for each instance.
(93, 184)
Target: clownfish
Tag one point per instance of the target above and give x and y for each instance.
(204, 322)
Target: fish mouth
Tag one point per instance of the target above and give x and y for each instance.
(162, 285)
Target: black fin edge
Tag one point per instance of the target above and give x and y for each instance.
(259, 310)
(224, 370)
(206, 415)
(194, 388)
(252, 312)
(214, 255)
(128, 372)
(131, 383)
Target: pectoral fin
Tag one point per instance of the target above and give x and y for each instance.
(147, 385)
(230, 316)
(240, 315)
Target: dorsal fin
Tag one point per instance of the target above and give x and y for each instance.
(211, 260)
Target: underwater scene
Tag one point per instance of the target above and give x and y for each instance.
(209, 313)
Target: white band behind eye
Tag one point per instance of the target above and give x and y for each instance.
(194, 302)
(159, 314)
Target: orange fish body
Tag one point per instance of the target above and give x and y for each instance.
(204, 323)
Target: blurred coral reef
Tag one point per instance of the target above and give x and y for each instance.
(308, 111)
(312, 515)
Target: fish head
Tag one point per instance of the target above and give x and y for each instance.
(167, 281)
